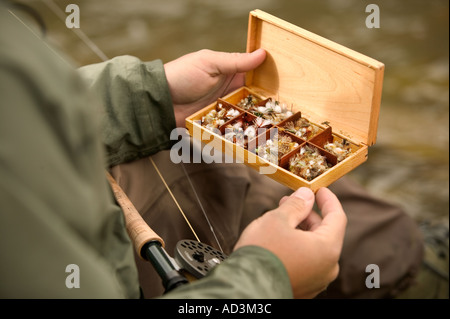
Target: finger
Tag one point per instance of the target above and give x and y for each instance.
(334, 219)
(282, 200)
(230, 63)
(297, 206)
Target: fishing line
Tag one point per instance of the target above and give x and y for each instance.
(201, 207)
(173, 197)
(83, 37)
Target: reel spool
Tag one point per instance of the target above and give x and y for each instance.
(197, 258)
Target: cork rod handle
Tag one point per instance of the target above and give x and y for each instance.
(138, 230)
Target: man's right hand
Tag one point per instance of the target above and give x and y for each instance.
(308, 245)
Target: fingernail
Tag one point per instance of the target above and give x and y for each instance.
(304, 193)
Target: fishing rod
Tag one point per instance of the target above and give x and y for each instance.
(192, 259)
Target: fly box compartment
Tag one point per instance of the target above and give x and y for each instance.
(306, 116)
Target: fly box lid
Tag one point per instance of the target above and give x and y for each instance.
(325, 81)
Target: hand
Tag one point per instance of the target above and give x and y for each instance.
(308, 245)
(200, 78)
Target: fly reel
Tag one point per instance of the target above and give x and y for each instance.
(192, 258)
(197, 258)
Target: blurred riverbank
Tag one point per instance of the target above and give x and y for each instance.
(409, 164)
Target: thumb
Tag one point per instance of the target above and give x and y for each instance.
(231, 63)
(297, 206)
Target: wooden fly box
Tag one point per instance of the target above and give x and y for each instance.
(306, 116)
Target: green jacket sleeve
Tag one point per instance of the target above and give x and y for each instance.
(248, 273)
(138, 114)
